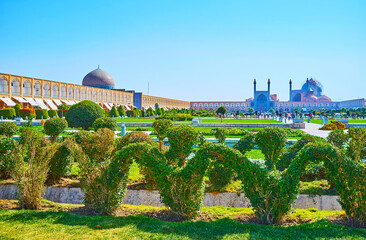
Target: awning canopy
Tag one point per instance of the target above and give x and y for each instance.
(20, 99)
(31, 101)
(58, 102)
(66, 102)
(127, 108)
(111, 105)
(8, 102)
(41, 103)
(72, 102)
(107, 106)
(51, 104)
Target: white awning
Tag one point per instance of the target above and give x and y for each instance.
(31, 101)
(50, 103)
(41, 103)
(111, 105)
(107, 106)
(20, 99)
(72, 102)
(8, 102)
(66, 102)
(127, 107)
(58, 102)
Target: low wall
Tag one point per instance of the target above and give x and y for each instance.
(152, 198)
(355, 125)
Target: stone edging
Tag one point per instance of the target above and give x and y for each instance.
(152, 198)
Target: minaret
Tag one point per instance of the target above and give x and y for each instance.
(290, 90)
(255, 87)
(269, 94)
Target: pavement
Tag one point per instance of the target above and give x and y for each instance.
(313, 129)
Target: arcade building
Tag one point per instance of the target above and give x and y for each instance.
(309, 97)
(97, 86)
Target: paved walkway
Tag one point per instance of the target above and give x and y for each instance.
(313, 129)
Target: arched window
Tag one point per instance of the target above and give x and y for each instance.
(71, 92)
(37, 89)
(105, 96)
(77, 93)
(27, 88)
(15, 86)
(109, 97)
(46, 90)
(4, 86)
(63, 91)
(83, 94)
(94, 95)
(211, 105)
(226, 105)
(221, 104)
(200, 104)
(243, 104)
(100, 96)
(216, 104)
(89, 95)
(195, 105)
(55, 92)
(206, 105)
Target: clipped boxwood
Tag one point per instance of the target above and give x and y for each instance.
(113, 112)
(29, 113)
(83, 114)
(52, 113)
(131, 113)
(8, 129)
(54, 127)
(42, 114)
(7, 113)
(105, 122)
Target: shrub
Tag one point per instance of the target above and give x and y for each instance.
(246, 143)
(221, 110)
(8, 129)
(161, 127)
(7, 113)
(158, 111)
(30, 174)
(105, 122)
(54, 127)
(8, 153)
(27, 113)
(83, 114)
(61, 162)
(16, 108)
(220, 134)
(179, 177)
(333, 125)
(176, 117)
(52, 113)
(42, 114)
(121, 111)
(61, 113)
(113, 112)
(131, 113)
(338, 138)
(150, 111)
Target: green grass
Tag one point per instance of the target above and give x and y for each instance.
(233, 120)
(27, 224)
(357, 120)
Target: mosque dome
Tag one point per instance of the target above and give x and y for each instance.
(99, 78)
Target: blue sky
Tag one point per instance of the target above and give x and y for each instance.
(190, 50)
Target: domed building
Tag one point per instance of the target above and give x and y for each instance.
(99, 79)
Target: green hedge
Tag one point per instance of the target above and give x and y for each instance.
(131, 113)
(83, 114)
(7, 113)
(27, 112)
(52, 113)
(42, 113)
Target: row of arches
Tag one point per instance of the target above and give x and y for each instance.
(57, 91)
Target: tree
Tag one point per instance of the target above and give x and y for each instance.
(297, 110)
(16, 108)
(150, 111)
(156, 106)
(83, 114)
(113, 112)
(54, 127)
(121, 111)
(250, 110)
(158, 111)
(272, 111)
(221, 110)
(63, 107)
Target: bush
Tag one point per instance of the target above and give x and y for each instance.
(42, 114)
(30, 174)
(334, 125)
(161, 127)
(61, 113)
(16, 108)
(220, 134)
(7, 113)
(113, 112)
(121, 111)
(105, 122)
(246, 143)
(54, 127)
(27, 113)
(131, 113)
(8, 129)
(83, 114)
(176, 117)
(338, 138)
(179, 177)
(52, 113)
(61, 162)
(8, 153)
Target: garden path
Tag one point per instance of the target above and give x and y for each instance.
(313, 129)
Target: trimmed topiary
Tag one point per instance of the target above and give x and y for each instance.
(161, 127)
(7, 113)
(83, 114)
(113, 112)
(52, 113)
(16, 108)
(54, 127)
(105, 122)
(121, 111)
(27, 113)
(8, 129)
(42, 114)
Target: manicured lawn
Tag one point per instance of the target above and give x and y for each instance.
(316, 120)
(213, 223)
(357, 120)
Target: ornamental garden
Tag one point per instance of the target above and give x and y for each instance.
(83, 147)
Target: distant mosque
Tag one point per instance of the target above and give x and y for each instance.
(309, 97)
